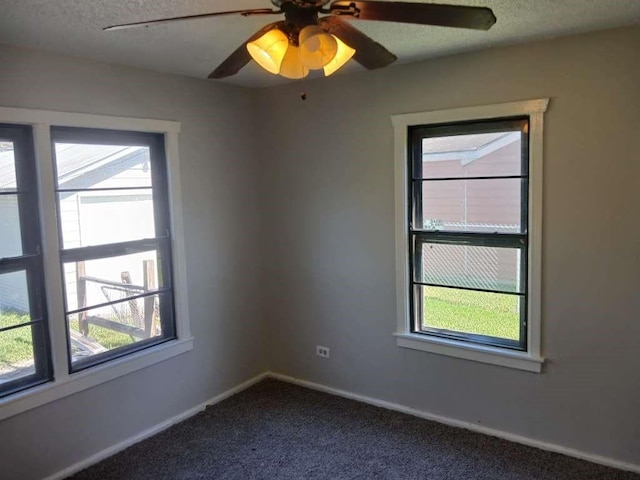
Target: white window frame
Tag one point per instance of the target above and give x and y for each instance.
(531, 359)
(64, 383)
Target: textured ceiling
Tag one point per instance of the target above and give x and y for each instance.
(196, 47)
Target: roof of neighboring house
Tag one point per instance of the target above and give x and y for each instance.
(75, 162)
(465, 148)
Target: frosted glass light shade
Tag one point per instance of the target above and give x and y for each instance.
(269, 50)
(317, 47)
(292, 66)
(342, 56)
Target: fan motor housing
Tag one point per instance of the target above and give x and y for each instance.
(302, 3)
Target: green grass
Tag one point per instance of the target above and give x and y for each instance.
(481, 313)
(445, 308)
(16, 344)
(105, 337)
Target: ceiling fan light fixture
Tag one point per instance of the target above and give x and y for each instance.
(343, 55)
(317, 47)
(320, 49)
(269, 50)
(292, 66)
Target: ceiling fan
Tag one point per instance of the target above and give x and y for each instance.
(305, 41)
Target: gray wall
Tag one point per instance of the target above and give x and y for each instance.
(220, 216)
(329, 168)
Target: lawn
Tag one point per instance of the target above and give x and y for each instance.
(16, 344)
(446, 308)
(482, 313)
(105, 337)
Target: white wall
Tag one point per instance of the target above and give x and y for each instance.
(328, 166)
(220, 215)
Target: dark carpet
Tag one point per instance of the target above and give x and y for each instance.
(279, 431)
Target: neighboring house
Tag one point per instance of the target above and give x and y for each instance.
(479, 205)
(90, 215)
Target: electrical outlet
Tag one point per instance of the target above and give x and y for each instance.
(322, 351)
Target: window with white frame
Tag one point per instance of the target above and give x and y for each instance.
(89, 256)
(468, 191)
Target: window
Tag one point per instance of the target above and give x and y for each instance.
(24, 338)
(468, 231)
(113, 218)
(91, 252)
(468, 185)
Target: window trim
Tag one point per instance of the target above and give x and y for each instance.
(64, 383)
(531, 359)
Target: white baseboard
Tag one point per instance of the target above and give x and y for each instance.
(87, 462)
(609, 462)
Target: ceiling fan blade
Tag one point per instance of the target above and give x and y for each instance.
(477, 18)
(240, 57)
(244, 13)
(369, 53)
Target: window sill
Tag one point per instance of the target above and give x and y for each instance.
(43, 394)
(478, 353)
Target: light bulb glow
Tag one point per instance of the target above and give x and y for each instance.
(269, 50)
(343, 55)
(317, 47)
(292, 66)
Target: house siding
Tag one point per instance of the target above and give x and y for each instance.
(13, 295)
(478, 204)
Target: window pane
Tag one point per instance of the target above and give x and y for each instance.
(471, 205)
(108, 328)
(16, 353)
(475, 155)
(486, 268)
(81, 166)
(14, 299)
(7, 167)
(465, 311)
(110, 217)
(10, 237)
(110, 279)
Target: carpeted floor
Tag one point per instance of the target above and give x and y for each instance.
(279, 431)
